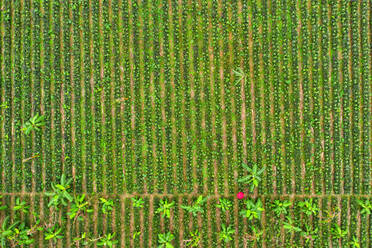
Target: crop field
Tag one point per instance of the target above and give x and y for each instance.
(136, 123)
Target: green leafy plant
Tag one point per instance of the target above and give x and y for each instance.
(165, 208)
(21, 206)
(136, 234)
(337, 232)
(107, 205)
(289, 225)
(366, 206)
(281, 207)
(6, 231)
(165, 240)
(331, 214)
(33, 124)
(309, 234)
(107, 240)
(255, 234)
(226, 233)
(23, 235)
(355, 242)
(224, 204)
(194, 239)
(253, 178)
(53, 233)
(79, 208)
(137, 202)
(60, 194)
(196, 207)
(240, 74)
(2, 205)
(308, 207)
(253, 210)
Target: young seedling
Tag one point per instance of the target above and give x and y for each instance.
(23, 235)
(53, 233)
(355, 243)
(337, 232)
(255, 234)
(281, 207)
(107, 241)
(2, 205)
(366, 206)
(308, 207)
(253, 178)
(60, 194)
(226, 233)
(253, 210)
(107, 205)
(79, 207)
(309, 234)
(21, 206)
(224, 205)
(137, 202)
(136, 234)
(194, 239)
(165, 240)
(240, 74)
(196, 207)
(6, 231)
(331, 214)
(165, 208)
(33, 124)
(289, 225)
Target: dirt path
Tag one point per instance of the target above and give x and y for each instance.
(172, 93)
(213, 111)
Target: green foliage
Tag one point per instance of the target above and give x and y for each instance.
(253, 178)
(337, 232)
(240, 74)
(366, 206)
(289, 225)
(107, 205)
(53, 233)
(253, 210)
(165, 208)
(194, 239)
(165, 240)
(107, 240)
(226, 233)
(255, 234)
(2, 205)
(196, 207)
(355, 242)
(281, 207)
(308, 207)
(33, 124)
(60, 194)
(224, 205)
(309, 234)
(79, 207)
(137, 202)
(6, 231)
(21, 206)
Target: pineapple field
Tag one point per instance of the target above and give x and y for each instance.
(185, 123)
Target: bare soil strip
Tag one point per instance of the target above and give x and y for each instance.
(180, 223)
(299, 72)
(163, 97)
(12, 93)
(112, 102)
(150, 223)
(122, 94)
(172, 93)
(62, 92)
(92, 98)
(213, 111)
